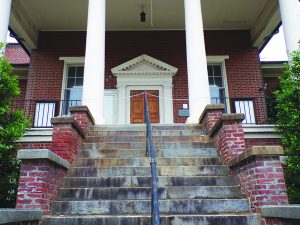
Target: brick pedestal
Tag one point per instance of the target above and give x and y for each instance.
(261, 176)
(42, 173)
(67, 137)
(211, 114)
(83, 117)
(258, 168)
(228, 136)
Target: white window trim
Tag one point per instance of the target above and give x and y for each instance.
(68, 61)
(220, 59)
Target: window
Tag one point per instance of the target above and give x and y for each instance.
(216, 84)
(73, 88)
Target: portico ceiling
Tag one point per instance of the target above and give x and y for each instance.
(30, 16)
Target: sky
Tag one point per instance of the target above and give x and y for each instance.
(274, 51)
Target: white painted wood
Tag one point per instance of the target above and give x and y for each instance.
(290, 16)
(5, 6)
(110, 106)
(198, 84)
(93, 84)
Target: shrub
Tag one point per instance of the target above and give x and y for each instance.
(288, 123)
(13, 125)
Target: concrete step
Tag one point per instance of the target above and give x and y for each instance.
(142, 145)
(133, 207)
(209, 170)
(143, 133)
(228, 219)
(135, 181)
(134, 193)
(142, 127)
(145, 161)
(137, 139)
(136, 153)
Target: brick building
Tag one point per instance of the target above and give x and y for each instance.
(185, 54)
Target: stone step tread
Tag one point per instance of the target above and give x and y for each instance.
(165, 220)
(141, 145)
(134, 153)
(175, 167)
(154, 133)
(161, 171)
(143, 161)
(147, 215)
(145, 181)
(170, 206)
(140, 139)
(138, 127)
(134, 193)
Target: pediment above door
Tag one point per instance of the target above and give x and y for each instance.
(144, 65)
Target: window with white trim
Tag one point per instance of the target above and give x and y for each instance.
(216, 83)
(73, 87)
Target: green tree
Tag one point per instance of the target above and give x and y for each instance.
(288, 123)
(13, 125)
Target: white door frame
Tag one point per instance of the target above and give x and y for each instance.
(144, 73)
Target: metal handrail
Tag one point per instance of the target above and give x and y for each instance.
(155, 219)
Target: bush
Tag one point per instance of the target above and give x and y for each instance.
(13, 125)
(288, 123)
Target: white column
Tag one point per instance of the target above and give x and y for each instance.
(290, 17)
(93, 85)
(198, 85)
(168, 104)
(121, 108)
(5, 6)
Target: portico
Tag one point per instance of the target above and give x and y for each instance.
(260, 18)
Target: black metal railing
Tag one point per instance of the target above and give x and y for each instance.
(40, 112)
(257, 110)
(155, 219)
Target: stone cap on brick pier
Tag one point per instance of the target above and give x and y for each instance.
(8, 216)
(68, 120)
(82, 109)
(211, 107)
(282, 211)
(226, 118)
(34, 154)
(256, 151)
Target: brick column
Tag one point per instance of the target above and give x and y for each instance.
(211, 114)
(228, 136)
(41, 175)
(83, 117)
(261, 176)
(67, 137)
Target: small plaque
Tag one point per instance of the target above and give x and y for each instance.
(184, 112)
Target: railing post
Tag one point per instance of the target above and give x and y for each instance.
(155, 219)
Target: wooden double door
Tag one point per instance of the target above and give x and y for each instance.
(137, 111)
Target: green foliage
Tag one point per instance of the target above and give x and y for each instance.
(13, 124)
(288, 123)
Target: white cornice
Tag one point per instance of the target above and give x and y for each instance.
(152, 67)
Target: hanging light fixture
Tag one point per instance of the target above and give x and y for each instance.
(143, 15)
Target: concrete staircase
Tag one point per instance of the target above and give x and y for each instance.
(109, 182)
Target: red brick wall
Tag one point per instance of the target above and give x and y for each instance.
(262, 142)
(243, 69)
(262, 181)
(38, 184)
